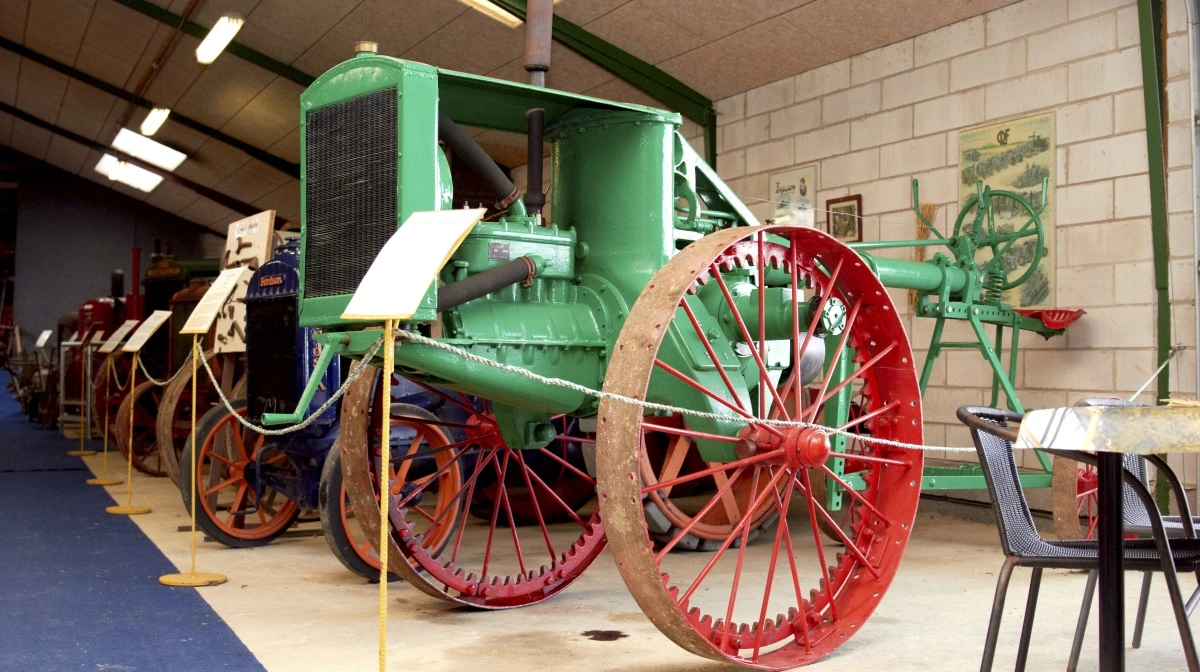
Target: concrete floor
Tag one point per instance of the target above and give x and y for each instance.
(296, 608)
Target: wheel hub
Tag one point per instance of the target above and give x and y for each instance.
(798, 447)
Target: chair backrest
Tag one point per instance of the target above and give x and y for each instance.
(1135, 511)
(1013, 519)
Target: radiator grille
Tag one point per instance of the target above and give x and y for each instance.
(271, 356)
(350, 191)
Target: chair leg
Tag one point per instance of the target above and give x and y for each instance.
(1141, 612)
(1180, 609)
(1035, 582)
(1085, 611)
(993, 633)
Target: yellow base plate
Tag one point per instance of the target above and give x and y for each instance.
(105, 481)
(184, 580)
(81, 453)
(123, 510)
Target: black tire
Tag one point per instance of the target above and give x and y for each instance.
(211, 422)
(334, 505)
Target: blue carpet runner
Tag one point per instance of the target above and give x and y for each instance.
(79, 587)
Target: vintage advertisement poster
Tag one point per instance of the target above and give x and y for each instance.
(247, 246)
(1014, 157)
(794, 194)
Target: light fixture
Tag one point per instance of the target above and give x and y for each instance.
(493, 11)
(127, 173)
(218, 38)
(147, 150)
(154, 120)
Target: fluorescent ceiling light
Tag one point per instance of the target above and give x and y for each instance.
(491, 10)
(147, 150)
(127, 173)
(218, 38)
(154, 120)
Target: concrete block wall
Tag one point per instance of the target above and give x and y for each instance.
(875, 121)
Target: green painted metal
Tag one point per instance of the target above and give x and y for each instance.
(1150, 30)
(282, 165)
(645, 76)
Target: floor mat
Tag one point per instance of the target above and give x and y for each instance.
(79, 587)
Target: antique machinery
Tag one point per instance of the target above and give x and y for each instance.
(649, 278)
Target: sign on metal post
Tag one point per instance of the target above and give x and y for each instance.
(214, 299)
(117, 336)
(42, 339)
(393, 287)
(146, 330)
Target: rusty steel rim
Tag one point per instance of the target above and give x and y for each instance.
(144, 404)
(174, 422)
(693, 598)
(499, 571)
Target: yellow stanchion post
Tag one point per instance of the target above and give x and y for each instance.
(83, 428)
(193, 579)
(128, 509)
(385, 459)
(105, 479)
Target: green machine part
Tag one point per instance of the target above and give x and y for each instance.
(627, 189)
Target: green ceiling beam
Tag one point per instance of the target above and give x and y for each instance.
(280, 164)
(236, 48)
(207, 192)
(645, 76)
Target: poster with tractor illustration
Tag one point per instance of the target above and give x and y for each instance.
(1014, 156)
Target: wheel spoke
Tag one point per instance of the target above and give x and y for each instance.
(712, 355)
(857, 496)
(869, 416)
(852, 377)
(512, 524)
(702, 389)
(554, 495)
(846, 541)
(223, 484)
(676, 454)
(537, 509)
(406, 462)
(728, 500)
(667, 429)
(723, 466)
(838, 352)
(764, 374)
(806, 490)
(570, 466)
(502, 468)
(782, 508)
(757, 502)
(741, 555)
(469, 490)
(683, 532)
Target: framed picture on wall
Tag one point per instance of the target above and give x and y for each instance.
(845, 218)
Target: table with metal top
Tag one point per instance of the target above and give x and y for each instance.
(1109, 433)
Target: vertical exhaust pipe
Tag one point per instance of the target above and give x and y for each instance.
(539, 21)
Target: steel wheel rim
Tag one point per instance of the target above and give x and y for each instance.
(461, 577)
(217, 480)
(811, 629)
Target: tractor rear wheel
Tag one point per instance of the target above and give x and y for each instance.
(143, 404)
(792, 597)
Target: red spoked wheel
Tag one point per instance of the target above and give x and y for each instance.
(1073, 490)
(239, 474)
(563, 471)
(143, 404)
(791, 598)
(487, 563)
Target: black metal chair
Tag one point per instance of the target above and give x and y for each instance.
(1137, 522)
(1024, 547)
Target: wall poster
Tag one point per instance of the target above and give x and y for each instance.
(1014, 156)
(794, 194)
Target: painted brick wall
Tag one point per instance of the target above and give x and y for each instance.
(875, 121)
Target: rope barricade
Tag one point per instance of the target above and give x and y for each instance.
(162, 383)
(355, 372)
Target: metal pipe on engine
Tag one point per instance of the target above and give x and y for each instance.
(521, 269)
(539, 21)
(465, 148)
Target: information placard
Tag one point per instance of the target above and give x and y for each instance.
(397, 280)
(43, 338)
(146, 330)
(94, 335)
(117, 336)
(247, 246)
(210, 306)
